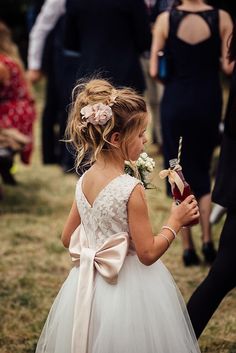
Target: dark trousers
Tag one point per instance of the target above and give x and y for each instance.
(66, 80)
(220, 280)
(50, 144)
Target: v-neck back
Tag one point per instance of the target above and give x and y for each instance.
(108, 213)
(99, 194)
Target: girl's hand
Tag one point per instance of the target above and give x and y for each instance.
(185, 212)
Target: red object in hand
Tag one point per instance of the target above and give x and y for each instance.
(178, 197)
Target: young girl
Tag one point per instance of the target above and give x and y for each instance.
(17, 109)
(119, 297)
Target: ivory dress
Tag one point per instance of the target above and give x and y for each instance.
(110, 302)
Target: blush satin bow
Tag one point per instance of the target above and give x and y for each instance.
(173, 177)
(107, 260)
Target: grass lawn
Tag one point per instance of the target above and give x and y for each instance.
(33, 262)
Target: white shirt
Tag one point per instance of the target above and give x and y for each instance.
(50, 12)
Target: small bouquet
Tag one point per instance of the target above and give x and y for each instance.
(141, 169)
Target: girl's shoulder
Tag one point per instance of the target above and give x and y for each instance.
(128, 184)
(121, 181)
(131, 180)
(119, 188)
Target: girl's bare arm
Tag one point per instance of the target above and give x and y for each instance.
(150, 248)
(72, 222)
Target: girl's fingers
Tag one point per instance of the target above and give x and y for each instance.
(196, 215)
(189, 199)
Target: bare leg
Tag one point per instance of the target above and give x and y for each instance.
(207, 246)
(189, 256)
(205, 211)
(187, 239)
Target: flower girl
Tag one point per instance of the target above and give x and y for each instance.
(118, 297)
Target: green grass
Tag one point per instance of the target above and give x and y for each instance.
(34, 264)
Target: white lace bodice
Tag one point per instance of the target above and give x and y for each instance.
(108, 214)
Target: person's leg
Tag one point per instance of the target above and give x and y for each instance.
(187, 238)
(220, 280)
(66, 68)
(189, 255)
(49, 119)
(6, 162)
(208, 249)
(205, 210)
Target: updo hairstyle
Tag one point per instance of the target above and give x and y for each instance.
(128, 115)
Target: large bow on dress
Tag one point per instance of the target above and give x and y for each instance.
(107, 260)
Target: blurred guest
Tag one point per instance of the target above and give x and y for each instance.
(221, 278)
(67, 63)
(110, 36)
(154, 89)
(14, 14)
(17, 111)
(46, 55)
(194, 37)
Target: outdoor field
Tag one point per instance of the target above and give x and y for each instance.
(34, 264)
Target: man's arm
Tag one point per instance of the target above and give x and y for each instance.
(51, 11)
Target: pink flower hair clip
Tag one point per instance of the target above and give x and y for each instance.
(96, 114)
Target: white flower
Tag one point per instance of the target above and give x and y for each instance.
(144, 155)
(144, 166)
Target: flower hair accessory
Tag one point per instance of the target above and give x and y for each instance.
(96, 114)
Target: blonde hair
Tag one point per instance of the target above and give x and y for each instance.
(7, 46)
(129, 112)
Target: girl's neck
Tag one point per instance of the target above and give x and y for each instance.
(113, 165)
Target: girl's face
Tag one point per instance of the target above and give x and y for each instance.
(136, 145)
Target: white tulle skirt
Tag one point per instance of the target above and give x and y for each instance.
(143, 313)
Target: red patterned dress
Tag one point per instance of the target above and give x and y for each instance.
(17, 109)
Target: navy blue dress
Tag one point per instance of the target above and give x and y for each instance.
(192, 102)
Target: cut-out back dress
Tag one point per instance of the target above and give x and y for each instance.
(192, 101)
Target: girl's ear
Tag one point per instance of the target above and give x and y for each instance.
(115, 139)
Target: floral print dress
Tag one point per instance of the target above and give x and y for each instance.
(17, 109)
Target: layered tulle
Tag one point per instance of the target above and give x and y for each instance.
(143, 313)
